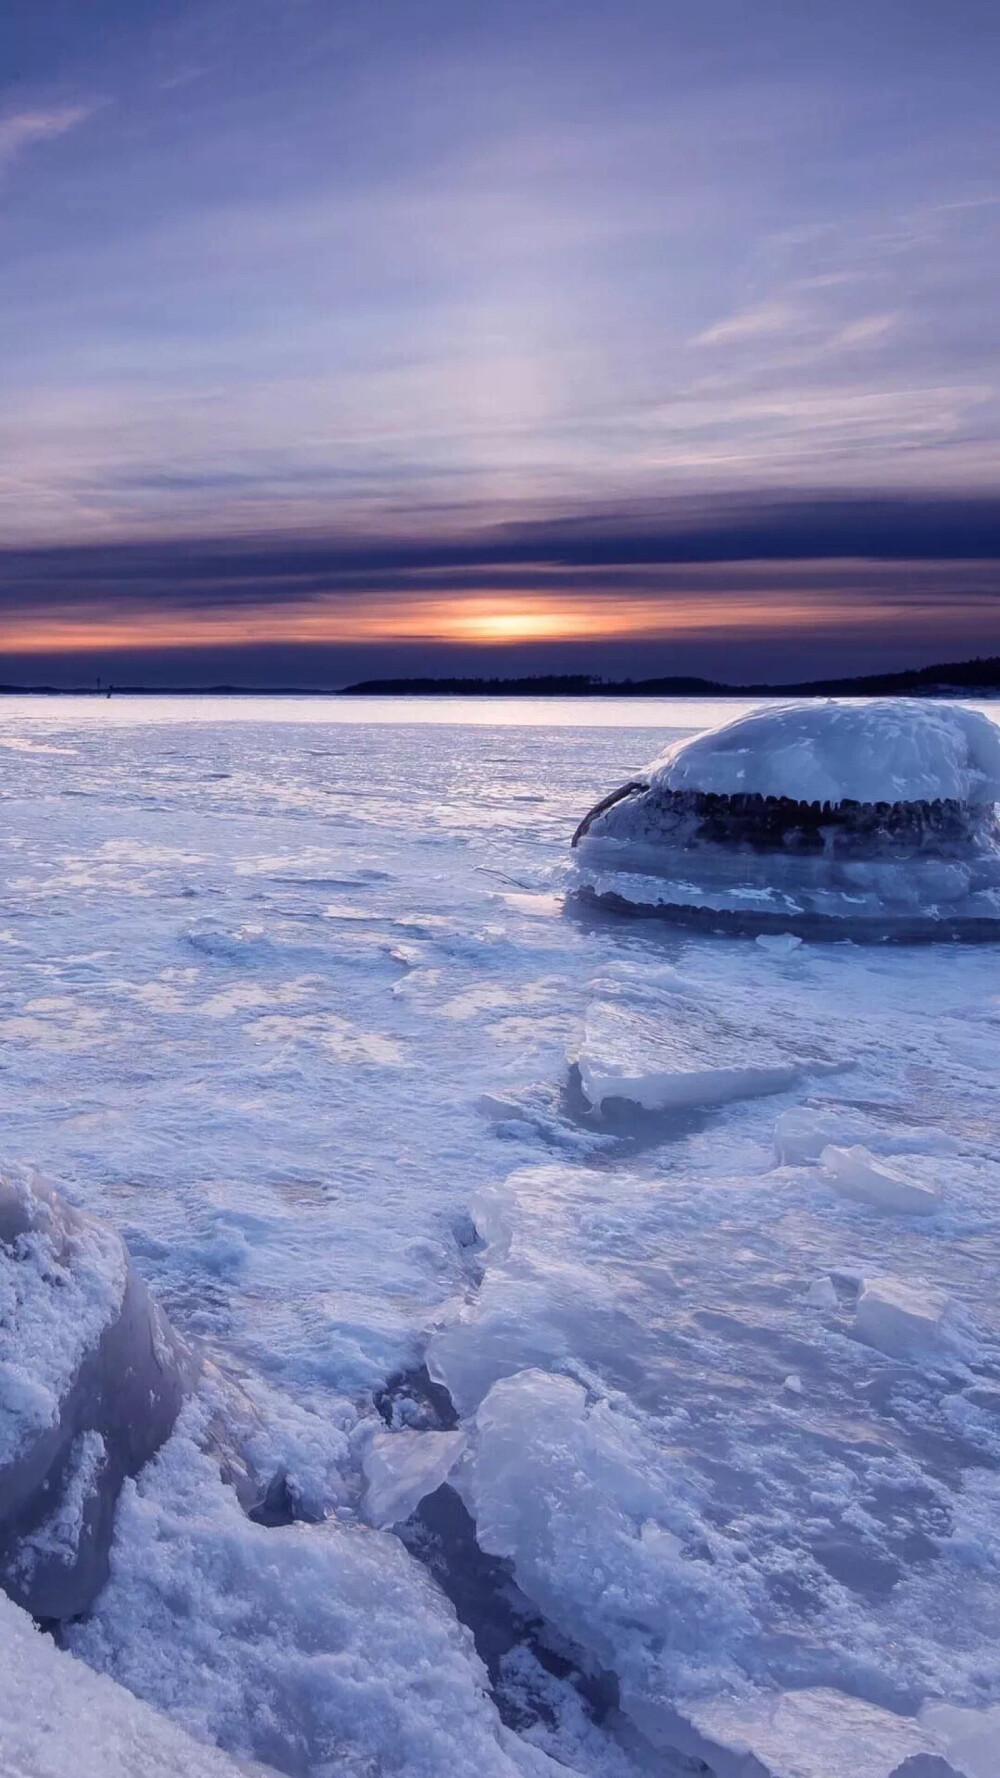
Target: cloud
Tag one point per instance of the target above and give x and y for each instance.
(775, 318)
(20, 130)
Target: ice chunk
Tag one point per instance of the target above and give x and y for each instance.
(91, 1379)
(821, 1294)
(779, 944)
(58, 1719)
(970, 1737)
(900, 1318)
(889, 750)
(603, 1543)
(687, 1056)
(401, 1467)
(802, 1133)
(815, 1733)
(857, 1174)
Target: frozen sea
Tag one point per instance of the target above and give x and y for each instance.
(472, 1200)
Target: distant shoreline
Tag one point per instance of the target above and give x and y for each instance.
(978, 678)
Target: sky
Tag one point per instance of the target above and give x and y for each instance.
(434, 336)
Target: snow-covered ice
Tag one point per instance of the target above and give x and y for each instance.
(813, 1734)
(889, 750)
(91, 1379)
(556, 1410)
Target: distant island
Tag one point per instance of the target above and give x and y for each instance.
(951, 678)
(980, 678)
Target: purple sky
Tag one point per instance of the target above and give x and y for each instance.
(669, 330)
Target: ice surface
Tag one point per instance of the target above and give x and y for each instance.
(857, 1174)
(340, 1145)
(58, 1719)
(900, 1318)
(887, 750)
(567, 1493)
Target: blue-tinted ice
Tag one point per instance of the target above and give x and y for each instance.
(290, 1001)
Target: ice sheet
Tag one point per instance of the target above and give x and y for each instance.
(289, 1004)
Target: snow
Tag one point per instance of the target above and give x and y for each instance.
(62, 1282)
(351, 1156)
(900, 1318)
(887, 750)
(57, 1717)
(857, 1174)
(316, 1648)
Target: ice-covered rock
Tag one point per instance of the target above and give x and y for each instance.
(857, 1174)
(817, 1733)
(400, 1468)
(879, 818)
(59, 1719)
(91, 1380)
(900, 1318)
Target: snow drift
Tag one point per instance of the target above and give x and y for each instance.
(877, 818)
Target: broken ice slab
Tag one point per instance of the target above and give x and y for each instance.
(857, 1174)
(802, 1133)
(400, 1468)
(969, 1737)
(816, 1733)
(686, 1055)
(900, 1318)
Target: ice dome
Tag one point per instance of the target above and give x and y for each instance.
(878, 816)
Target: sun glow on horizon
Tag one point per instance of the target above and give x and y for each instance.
(481, 620)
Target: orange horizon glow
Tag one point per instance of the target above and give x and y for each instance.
(480, 620)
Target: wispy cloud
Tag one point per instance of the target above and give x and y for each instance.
(21, 130)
